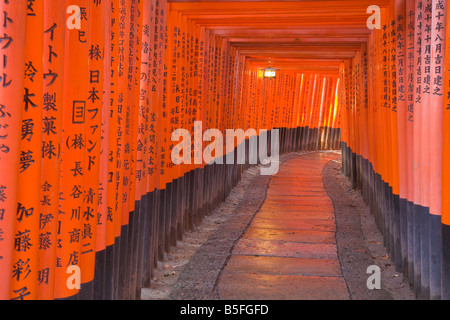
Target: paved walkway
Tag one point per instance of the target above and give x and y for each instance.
(289, 251)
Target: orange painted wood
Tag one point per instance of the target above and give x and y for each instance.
(28, 240)
(437, 102)
(138, 70)
(410, 18)
(114, 186)
(11, 108)
(145, 92)
(54, 52)
(102, 221)
(127, 33)
(418, 89)
(425, 110)
(93, 116)
(446, 133)
(73, 164)
(401, 86)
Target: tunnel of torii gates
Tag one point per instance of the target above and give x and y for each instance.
(91, 92)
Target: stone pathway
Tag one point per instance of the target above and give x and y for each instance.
(289, 251)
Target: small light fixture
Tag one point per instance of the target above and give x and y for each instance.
(270, 73)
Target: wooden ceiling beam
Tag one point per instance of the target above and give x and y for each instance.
(308, 35)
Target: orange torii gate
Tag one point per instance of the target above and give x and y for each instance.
(111, 97)
(403, 173)
(92, 91)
